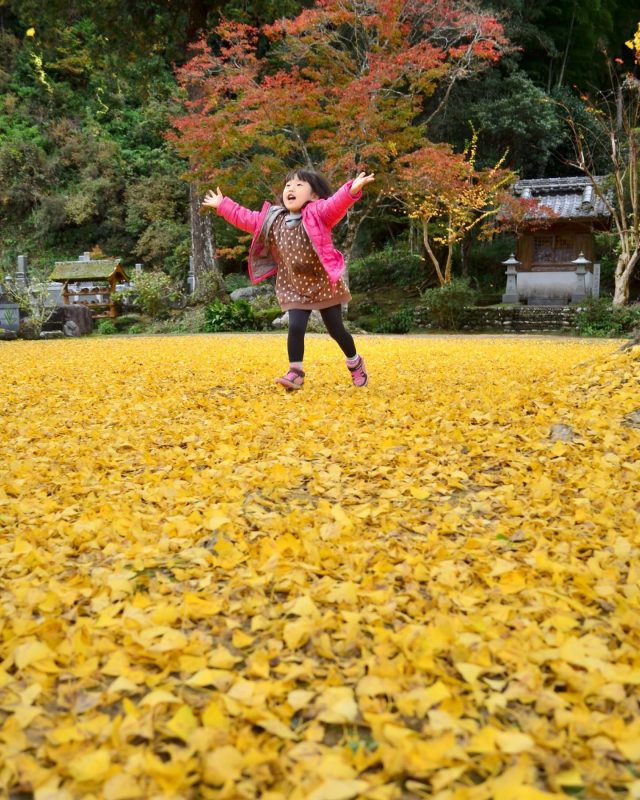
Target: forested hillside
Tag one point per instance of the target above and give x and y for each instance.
(89, 91)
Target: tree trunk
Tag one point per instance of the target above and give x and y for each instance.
(624, 271)
(567, 47)
(448, 266)
(427, 244)
(465, 249)
(203, 250)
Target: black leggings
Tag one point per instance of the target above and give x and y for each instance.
(332, 318)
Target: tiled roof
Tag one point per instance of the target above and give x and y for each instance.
(86, 270)
(570, 198)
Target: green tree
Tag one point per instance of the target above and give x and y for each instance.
(87, 91)
(560, 38)
(511, 114)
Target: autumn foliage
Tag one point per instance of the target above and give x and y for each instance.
(520, 214)
(449, 197)
(343, 85)
(214, 589)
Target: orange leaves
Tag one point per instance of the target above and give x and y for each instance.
(449, 195)
(340, 80)
(336, 595)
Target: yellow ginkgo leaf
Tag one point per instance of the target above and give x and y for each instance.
(223, 764)
(122, 787)
(337, 705)
(183, 723)
(159, 697)
(31, 653)
(90, 767)
(514, 741)
(335, 789)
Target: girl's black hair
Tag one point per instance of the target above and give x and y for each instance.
(318, 182)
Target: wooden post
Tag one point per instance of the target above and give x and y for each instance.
(112, 297)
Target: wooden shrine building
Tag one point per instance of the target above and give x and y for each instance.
(90, 283)
(546, 256)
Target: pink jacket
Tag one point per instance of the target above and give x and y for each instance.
(318, 218)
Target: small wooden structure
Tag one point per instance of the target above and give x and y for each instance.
(547, 256)
(578, 212)
(103, 275)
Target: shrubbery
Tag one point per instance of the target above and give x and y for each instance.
(446, 304)
(394, 264)
(236, 280)
(235, 316)
(207, 291)
(154, 293)
(106, 327)
(264, 317)
(601, 318)
(399, 322)
(125, 322)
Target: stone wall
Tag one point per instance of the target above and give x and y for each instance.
(511, 319)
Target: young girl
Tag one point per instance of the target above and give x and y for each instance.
(294, 242)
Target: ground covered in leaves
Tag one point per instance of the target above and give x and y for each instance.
(211, 588)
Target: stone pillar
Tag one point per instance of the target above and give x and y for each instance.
(580, 290)
(86, 256)
(511, 293)
(21, 272)
(595, 284)
(191, 277)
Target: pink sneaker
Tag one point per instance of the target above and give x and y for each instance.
(294, 379)
(359, 374)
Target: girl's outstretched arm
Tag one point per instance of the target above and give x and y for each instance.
(335, 207)
(237, 215)
(362, 180)
(213, 199)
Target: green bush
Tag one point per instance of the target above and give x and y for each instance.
(264, 317)
(106, 327)
(235, 316)
(399, 322)
(236, 280)
(125, 321)
(446, 304)
(601, 318)
(392, 265)
(154, 293)
(263, 302)
(207, 291)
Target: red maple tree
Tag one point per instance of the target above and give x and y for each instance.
(344, 86)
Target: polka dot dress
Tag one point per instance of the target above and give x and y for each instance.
(301, 281)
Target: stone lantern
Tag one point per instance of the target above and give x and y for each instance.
(580, 291)
(511, 294)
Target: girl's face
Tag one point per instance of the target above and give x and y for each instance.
(296, 194)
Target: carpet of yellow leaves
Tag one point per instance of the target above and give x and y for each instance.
(211, 588)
